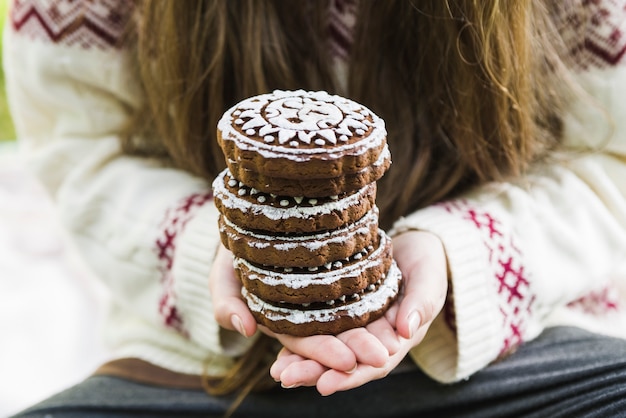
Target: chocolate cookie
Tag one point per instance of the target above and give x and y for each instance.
(252, 209)
(299, 143)
(301, 250)
(328, 318)
(334, 280)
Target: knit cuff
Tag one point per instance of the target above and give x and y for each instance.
(186, 302)
(459, 344)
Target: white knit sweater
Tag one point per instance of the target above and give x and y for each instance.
(547, 250)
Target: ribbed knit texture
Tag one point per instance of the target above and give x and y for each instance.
(450, 354)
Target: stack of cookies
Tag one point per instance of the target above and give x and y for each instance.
(297, 210)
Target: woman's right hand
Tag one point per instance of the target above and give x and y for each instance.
(229, 309)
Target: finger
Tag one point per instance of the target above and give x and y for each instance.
(327, 350)
(333, 381)
(283, 360)
(230, 311)
(422, 302)
(421, 258)
(267, 331)
(386, 334)
(367, 348)
(391, 313)
(302, 373)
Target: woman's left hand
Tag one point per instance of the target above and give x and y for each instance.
(380, 346)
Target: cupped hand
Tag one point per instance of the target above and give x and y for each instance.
(380, 346)
(342, 353)
(370, 345)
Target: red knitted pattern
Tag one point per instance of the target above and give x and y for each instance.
(599, 302)
(89, 24)
(510, 278)
(597, 36)
(172, 226)
(341, 21)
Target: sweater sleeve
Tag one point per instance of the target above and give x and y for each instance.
(148, 231)
(525, 255)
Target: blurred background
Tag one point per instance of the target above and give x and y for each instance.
(50, 309)
(6, 127)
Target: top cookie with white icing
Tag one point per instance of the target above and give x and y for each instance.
(303, 136)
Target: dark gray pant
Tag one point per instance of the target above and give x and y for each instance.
(566, 372)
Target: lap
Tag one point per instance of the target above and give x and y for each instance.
(565, 372)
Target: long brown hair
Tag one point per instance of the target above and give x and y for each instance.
(197, 58)
(469, 92)
(468, 88)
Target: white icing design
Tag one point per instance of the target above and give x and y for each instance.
(295, 124)
(312, 242)
(304, 279)
(290, 210)
(383, 157)
(368, 302)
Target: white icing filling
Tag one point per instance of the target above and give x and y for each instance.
(311, 242)
(384, 156)
(288, 119)
(370, 302)
(234, 201)
(302, 280)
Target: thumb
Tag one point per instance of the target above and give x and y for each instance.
(422, 260)
(229, 309)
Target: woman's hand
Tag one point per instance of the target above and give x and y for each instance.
(230, 311)
(380, 346)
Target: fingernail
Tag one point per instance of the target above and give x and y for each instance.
(352, 370)
(238, 324)
(295, 385)
(414, 323)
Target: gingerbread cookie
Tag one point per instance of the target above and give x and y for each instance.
(299, 143)
(302, 250)
(331, 317)
(333, 281)
(255, 210)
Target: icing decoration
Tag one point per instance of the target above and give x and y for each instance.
(298, 278)
(236, 195)
(301, 122)
(363, 303)
(312, 242)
